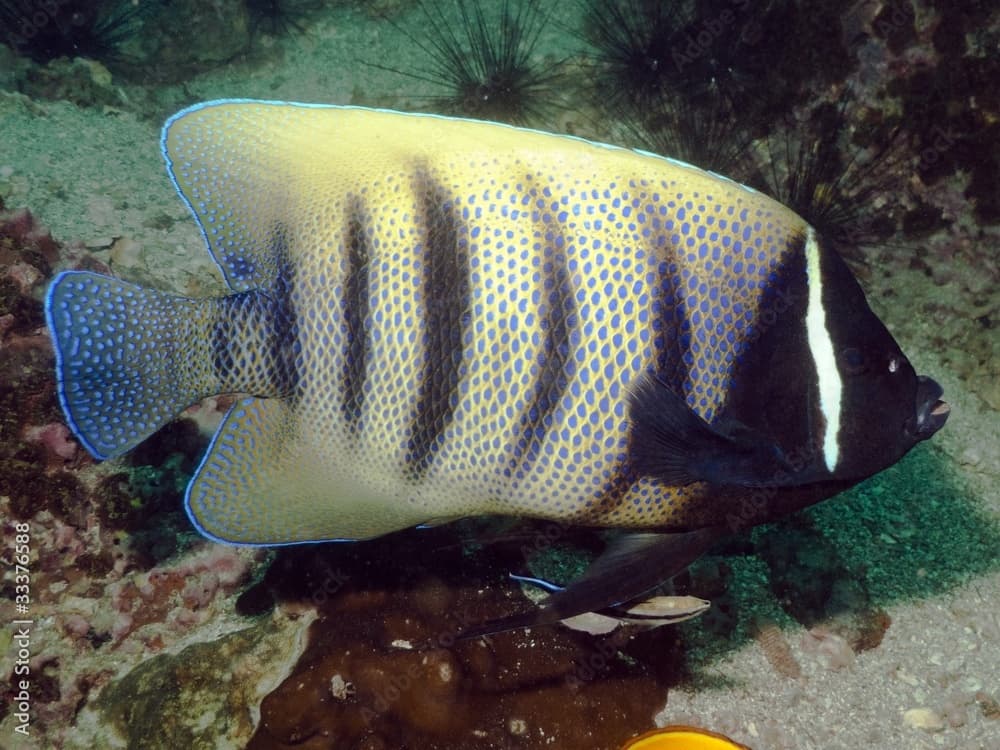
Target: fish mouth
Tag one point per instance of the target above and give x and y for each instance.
(932, 412)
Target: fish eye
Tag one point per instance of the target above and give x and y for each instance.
(853, 361)
(894, 364)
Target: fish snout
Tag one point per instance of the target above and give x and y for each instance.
(931, 412)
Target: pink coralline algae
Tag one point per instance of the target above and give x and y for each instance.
(115, 571)
(56, 439)
(177, 595)
(20, 230)
(107, 613)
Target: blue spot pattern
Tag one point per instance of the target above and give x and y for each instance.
(652, 284)
(588, 266)
(113, 378)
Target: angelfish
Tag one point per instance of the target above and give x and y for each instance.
(438, 317)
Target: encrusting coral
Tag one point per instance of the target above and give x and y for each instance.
(115, 573)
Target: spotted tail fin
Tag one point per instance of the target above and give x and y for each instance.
(128, 359)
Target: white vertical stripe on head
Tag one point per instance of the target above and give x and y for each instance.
(821, 346)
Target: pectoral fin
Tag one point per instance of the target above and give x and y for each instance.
(674, 444)
(630, 567)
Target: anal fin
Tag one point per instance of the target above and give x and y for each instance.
(271, 478)
(235, 492)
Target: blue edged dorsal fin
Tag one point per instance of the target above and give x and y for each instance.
(238, 181)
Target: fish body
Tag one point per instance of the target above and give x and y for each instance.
(436, 318)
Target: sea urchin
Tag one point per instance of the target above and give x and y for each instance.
(486, 63)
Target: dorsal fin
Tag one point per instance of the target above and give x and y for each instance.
(233, 168)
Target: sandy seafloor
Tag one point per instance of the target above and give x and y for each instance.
(94, 174)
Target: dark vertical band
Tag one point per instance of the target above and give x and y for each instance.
(356, 302)
(446, 303)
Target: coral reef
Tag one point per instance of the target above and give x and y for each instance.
(204, 694)
(31, 438)
(115, 571)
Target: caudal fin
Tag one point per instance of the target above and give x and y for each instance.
(123, 366)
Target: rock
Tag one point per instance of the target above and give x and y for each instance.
(187, 699)
(187, 36)
(81, 81)
(923, 718)
(390, 635)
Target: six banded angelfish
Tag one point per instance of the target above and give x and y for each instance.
(437, 317)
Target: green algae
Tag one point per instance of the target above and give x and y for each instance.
(911, 532)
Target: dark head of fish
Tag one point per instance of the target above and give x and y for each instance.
(821, 397)
(825, 380)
